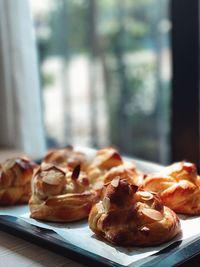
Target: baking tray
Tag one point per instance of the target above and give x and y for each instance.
(173, 255)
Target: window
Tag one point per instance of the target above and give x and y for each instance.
(106, 73)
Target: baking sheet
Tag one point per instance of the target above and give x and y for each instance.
(80, 235)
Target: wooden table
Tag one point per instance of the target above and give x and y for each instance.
(15, 252)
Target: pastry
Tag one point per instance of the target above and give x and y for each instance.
(126, 216)
(108, 164)
(178, 185)
(66, 158)
(125, 171)
(61, 196)
(15, 181)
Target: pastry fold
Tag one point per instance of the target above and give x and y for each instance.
(178, 186)
(66, 158)
(15, 181)
(108, 164)
(61, 195)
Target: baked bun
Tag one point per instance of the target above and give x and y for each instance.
(178, 187)
(125, 171)
(61, 196)
(66, 158)
(104, 161)
(108, 164)
(127, 216)
(15, 181)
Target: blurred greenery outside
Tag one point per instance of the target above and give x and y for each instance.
(130, 41)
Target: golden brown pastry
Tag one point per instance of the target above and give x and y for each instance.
(15, 181)
(66, 158)
(61, 196)
(108, 164)
(178, 187)
(125, 171)
(127, 216)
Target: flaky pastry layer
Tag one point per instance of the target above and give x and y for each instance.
(178, 187)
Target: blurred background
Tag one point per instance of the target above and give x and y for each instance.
(105, 65)
(106, 75)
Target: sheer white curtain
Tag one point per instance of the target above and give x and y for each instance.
(21, 124)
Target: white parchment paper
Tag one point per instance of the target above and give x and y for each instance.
(80, 235)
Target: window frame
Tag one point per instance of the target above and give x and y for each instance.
(185, 80)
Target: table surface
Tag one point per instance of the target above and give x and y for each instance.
(15, 252)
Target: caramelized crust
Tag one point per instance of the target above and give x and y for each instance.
(127, 216)
(178, 187)
(66, 158)
(15, 181)
(59, 195)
